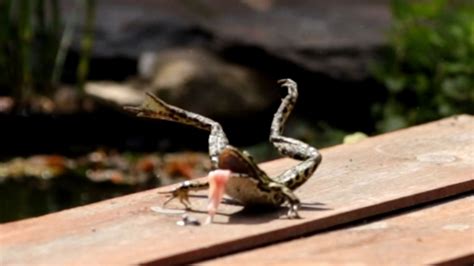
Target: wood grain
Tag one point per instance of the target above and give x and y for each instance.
(440, 234)
(375, 176)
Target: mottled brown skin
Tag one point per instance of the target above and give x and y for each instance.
(248, 184)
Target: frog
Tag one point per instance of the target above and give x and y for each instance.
(234, 172)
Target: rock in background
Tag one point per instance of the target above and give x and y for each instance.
(337, 38)
(200, 81)
(236, 50)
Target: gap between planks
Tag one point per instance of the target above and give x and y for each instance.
(357, 181)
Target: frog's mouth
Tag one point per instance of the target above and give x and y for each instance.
(217, 183)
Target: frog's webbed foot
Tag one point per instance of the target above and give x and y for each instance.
(182, 192)
(154, 107)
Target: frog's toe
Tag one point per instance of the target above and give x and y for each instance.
(293, 211)
(287, 82)
(168, 200)
(180, 193)
(184, 199)
(171, 195)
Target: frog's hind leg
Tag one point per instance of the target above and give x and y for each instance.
(154, 107)
(290, 147)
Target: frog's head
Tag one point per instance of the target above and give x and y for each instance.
(231, 161)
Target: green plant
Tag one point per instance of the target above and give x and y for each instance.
(86, 44)
(30, 32)
(429, 65)
(33, 44)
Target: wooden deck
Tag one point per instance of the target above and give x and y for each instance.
(413, 187)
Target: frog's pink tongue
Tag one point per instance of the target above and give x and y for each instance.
(217, 182)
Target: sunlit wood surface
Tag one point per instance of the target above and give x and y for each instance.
(375, 177)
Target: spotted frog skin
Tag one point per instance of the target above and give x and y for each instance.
(244, 180)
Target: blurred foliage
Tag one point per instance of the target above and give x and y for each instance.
(86, 43)
(33, 43)
(29, 39)
(429, 66)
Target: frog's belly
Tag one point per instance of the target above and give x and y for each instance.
(247, 192)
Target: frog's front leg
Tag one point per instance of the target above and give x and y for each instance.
(182, 191)
(217, 180)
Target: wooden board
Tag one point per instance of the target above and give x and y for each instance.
(356, 181)
(440, 234)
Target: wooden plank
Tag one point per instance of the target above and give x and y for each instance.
(355, 181)
(439, 234)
